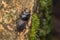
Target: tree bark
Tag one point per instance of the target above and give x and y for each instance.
(9, 13)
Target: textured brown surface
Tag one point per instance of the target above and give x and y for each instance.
(9, 13)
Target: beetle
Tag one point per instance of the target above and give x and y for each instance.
(24, 17)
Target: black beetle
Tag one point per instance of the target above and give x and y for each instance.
(24, 17)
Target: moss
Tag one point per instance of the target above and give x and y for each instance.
(35, 26)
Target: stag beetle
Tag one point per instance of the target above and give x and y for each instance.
(24, 17)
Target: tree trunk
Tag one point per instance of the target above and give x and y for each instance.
(9, 13)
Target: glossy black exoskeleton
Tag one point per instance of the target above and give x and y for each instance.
(24, 17)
